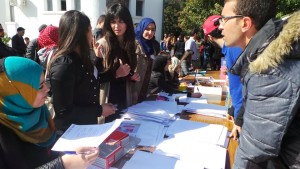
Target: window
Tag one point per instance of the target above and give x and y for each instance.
(78, 5)
(12, 14)
(139, 7)
(63, 4)
(49, 5)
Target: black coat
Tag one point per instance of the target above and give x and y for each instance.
(31, 52)
(6, 51)
(75, 92)
(15, 153)
(18, 45)
(159, 80)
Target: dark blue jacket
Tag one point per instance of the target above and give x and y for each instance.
(269, 68)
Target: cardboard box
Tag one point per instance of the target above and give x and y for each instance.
(117, 137)
(109, 155)
(111, 150)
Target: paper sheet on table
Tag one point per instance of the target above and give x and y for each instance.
(145, 160)
(150, 133)
(85, 135)
(198, 155)
(207, 109)
(198, 132)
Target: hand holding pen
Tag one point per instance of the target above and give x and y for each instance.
(108, 109)
(82, 158)
(123, 70)
(98, 49)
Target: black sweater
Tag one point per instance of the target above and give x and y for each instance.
(75, 92)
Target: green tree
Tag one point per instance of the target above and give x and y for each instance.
(185, 15)
(195, 12)
(285, 7)
(171, 15)
(6, 39)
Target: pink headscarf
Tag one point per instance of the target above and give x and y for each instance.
(48, 37)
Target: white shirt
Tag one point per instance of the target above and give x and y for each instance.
(191, 45)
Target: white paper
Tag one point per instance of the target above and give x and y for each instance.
(145, 160)
(150, 133)
(85, 135)
(157, 111)
(190, 153)
(197, 132)
(207, 109)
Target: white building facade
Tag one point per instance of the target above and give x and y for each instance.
(30, 14)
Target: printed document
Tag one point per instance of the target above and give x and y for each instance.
(85, 135)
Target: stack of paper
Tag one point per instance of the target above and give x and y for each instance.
(157, 111)
(206, 109)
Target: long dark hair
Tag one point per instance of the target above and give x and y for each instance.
(119, 11)
(73, 28)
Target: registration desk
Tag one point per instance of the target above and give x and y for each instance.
(232, 146)
(200, 118)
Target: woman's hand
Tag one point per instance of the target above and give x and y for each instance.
(196, 95)
(98, 49)
(135, 77)
(84, 157)
(235, 132)
(123, 70)
(108, 109)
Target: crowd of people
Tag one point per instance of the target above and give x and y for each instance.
(91, 75)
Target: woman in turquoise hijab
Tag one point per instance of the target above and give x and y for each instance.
(147, 49)
(27, 130)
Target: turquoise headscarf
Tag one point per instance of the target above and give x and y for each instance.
(19, 86)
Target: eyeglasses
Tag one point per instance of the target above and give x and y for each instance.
(224, 19)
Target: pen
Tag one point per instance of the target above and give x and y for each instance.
(101, 51)
(86, 152)
(116, 106)
(83, 153)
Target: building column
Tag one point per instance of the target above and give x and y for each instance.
(70, 4)
(56, 5)
(93, 9)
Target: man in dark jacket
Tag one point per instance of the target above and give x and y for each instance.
(18, 43)
(269, 69)
(4, 49)
(33, 47)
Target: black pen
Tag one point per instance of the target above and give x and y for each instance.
(86, 152)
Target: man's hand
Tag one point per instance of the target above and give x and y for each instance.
(235, 132)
